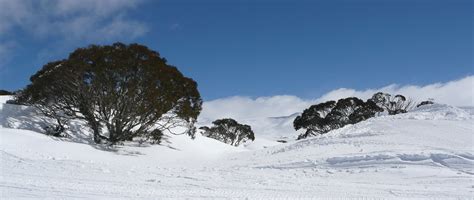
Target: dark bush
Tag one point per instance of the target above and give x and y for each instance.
(365, 111)
(5, 92)
(229, 131)
(13, 101)
(424, 103)
(392, 104)
(327, 116)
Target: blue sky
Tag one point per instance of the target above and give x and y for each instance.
(253, 48)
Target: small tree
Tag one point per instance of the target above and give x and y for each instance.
(127, 89)
(427, 102)
(392, 104)
(229, 131)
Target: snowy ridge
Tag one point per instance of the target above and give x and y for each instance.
(426, 153)
(425, 126)
(268, 130)
(437, 112)
(19, 123)
(274, 127)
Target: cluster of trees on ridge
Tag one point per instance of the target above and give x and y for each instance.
(132, 92)
(6, 92)
(324, 117)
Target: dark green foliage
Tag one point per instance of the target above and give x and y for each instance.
(128, 89)
(392, 104)
(327, 116)
(5, 92)
(365, 111)
(313, 114)
(425, 103)
(339, 115)
(229, 131)
(314, 119)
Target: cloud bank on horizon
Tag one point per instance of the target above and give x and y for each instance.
(457, 92)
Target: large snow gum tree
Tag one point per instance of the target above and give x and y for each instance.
(127, 90)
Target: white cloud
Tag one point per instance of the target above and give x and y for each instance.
(119, 27)
(90, 20)
(458, 92)
(70, 23)
(240, 108)
(12, 12)
(101, 7)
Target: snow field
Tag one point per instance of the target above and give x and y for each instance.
(427, 153)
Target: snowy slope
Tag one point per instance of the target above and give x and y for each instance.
(23, 122)
(268, 130)
(274, 127)
(427, 153)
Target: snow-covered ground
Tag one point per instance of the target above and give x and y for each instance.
(426, 153)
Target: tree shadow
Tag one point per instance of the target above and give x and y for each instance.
(165, 141)
(28, 118)
(22, 117)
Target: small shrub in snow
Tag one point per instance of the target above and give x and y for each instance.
(229, 131)
(13, 101)
(392, 104)
(424, 103)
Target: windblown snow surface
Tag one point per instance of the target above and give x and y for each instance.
(426, 153)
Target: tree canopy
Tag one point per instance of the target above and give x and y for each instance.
(127, 89)
(392, 104)
(229, 131)
(324, 117)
